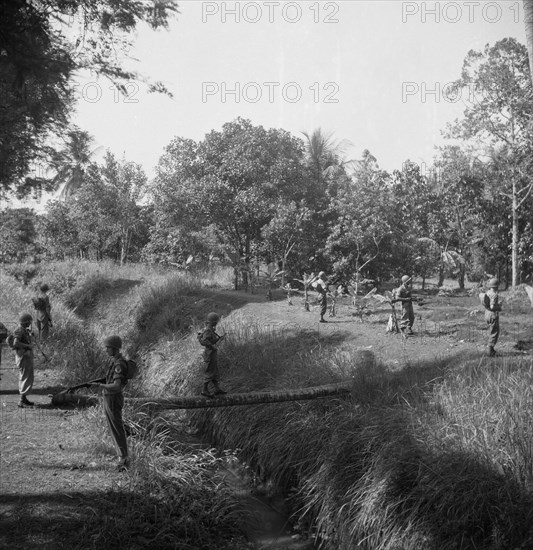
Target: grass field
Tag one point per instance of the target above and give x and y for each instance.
(433, 450)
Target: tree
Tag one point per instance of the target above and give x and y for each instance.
(17, 227)
(361, 214)
(284, 232)
(232, 181)
(128, 181)
(71, 162)
(528, 22)
(497, 121)
(40, 50)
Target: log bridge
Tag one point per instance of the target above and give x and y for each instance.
(227, 400)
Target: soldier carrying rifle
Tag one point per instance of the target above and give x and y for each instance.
(403, 295)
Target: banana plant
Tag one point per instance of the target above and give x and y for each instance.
(272, 276)
(307, 281)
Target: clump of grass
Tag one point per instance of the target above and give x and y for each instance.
(171, 500)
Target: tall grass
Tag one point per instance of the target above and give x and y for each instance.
(170, 500)
(435, 457)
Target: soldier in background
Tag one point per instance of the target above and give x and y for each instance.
(24, 358)
(403, 295)
(321, 286)
(492, 304)
(41, 303)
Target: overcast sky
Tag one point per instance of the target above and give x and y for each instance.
(370, 72)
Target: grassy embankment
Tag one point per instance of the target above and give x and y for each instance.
(435, 457)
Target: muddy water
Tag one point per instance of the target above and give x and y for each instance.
(266, 518)
(267, 524)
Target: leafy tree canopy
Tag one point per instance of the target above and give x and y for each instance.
(40, 51)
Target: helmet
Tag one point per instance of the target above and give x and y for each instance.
(406, 279)
(44, 287)
(114, 342)
(321, 274)
(212, 317)
(25, 318)
(493, 283)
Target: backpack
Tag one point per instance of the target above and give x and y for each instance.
(11, 341)
(133, 368)
(39, 303)
(482, 298)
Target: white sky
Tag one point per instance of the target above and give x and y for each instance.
(373, 59)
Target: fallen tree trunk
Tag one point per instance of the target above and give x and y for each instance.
(239, 399)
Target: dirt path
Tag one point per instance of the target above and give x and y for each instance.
(50, 485)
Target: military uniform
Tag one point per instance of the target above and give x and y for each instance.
(403, 294)
(114, 402)
(43, 318)
(322, 288)
(24, 362)
(492, 304)
(208, 338)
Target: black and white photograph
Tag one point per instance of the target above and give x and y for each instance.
(266, 275)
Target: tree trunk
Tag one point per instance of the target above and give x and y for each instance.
(440, 282)
(252, 398)
(514, 243)
(528, 22)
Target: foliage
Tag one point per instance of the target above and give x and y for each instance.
(43, 44)
(497, 124)
(102, 218)
(231, 181)
(18, 234)
(361, 221)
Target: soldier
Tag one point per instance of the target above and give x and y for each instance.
(41, 303)
(492, 304)
(115, 380)
(24, 358)
(209, 339)
(403, 295)
(321, 287)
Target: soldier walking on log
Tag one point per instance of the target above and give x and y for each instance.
(209, 339)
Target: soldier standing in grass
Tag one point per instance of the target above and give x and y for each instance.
(24, 358)
(115, 380)
(41, 303)
(492, 304)
(209, 339)
(403, 295)
(321, 287)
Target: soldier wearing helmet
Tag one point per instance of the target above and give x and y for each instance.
(321, 286)
(24, 358)
(493, 306)
(209, 339)
(41, 303)
(403, 295)
(115, 380)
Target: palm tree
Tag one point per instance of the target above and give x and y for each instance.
(71, 162)
(325, 155)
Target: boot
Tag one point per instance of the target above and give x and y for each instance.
(25, 402)
(205, 391)
(218, 390)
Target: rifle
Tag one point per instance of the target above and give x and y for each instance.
(84, 385)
